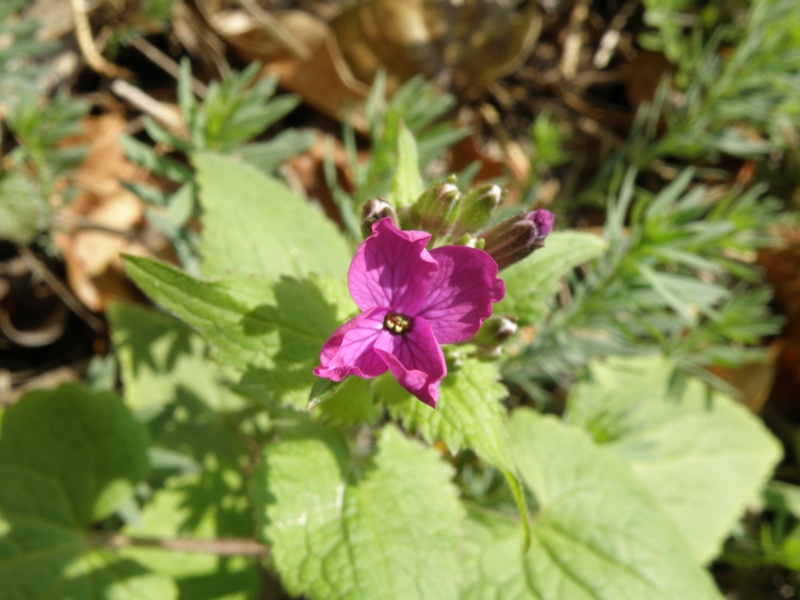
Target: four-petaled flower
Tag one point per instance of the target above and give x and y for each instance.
(412, 300)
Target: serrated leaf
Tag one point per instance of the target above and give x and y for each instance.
(253, 225)
(67, 458)
(468, 415)
(388, 528)
(406, 184)
(534, 280)
(270, 332)
(702, 456)
(597, 532)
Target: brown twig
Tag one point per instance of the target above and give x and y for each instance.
(42, 271)
(83, 33)
(574, 41)
(78, 223)
(219, 547)
(147, 104)
(611, 37)
(276, 29)
(168, 65)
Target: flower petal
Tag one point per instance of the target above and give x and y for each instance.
(349, 350)
(461, 292)
(391, 268)
(415, 359)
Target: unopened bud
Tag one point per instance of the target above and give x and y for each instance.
(512, 240)
(495, 330)
(437, 208)
(373, 211)
(477, 208)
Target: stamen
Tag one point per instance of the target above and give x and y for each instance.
(396, 324)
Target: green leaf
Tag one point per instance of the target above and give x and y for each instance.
(169, 379)
(494, 560)
(68, 457)
(270, 332)
(346, 402)
(702, 456)
(685, 295)
(406, 184)
(144, 155)
(597, 532)
(268, 155)
(530, 283)
(171, 383)
(87, 441)
(204, 507)
(468, 414)
(387, 528)
(253, 225)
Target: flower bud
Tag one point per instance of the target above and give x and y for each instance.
(477, 208)
(512, 240)
(495, 330)
(437, 208)
(373, 211)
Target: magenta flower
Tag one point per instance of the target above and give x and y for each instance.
(412, 300)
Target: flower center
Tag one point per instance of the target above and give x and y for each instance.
(396, 324)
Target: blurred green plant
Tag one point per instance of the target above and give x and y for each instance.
(734, 91)
(35, 168)
(677, 277)
(417, 107)
(233, 112)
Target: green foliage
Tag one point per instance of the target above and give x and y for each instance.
(382, 526)
(171, 385)
(597, 533)
(199, 430)
(531, 283)
(736, 87)
(269, 332)
(38, 165)
(770, 542)
(263, 229)
(468, 414)
(415, 108)
(18, 73)
(233, 112)
(365, 492)
(203, 507)
(406, 183)
(681, 448)
(68, 458)
(23, 210)
(671, 281)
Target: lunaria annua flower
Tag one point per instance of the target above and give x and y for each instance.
(412, 300)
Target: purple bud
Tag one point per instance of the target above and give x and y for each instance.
(515, 238)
